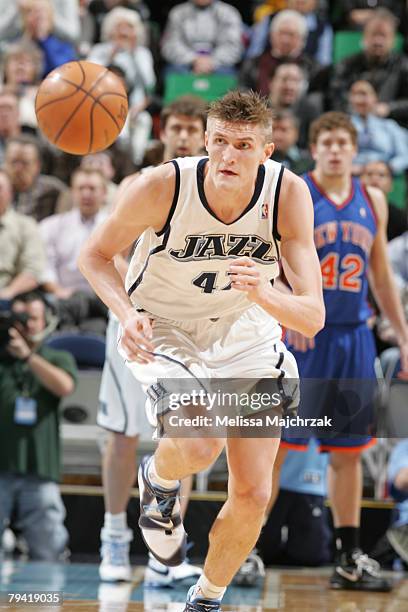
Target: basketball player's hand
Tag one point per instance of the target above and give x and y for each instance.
(136, 335)
(245, 276)
(403, 373)
(298, 342)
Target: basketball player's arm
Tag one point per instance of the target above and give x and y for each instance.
(382, 280)
(144, 203)
(303, 309)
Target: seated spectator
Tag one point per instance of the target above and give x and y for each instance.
(123, 48)
(38, 27)
(398, 256)
(319, 42)
(101, 162)
(22, 256)
(287, 38)
(385, 69)
(203, 37)
(354, 14)
(98, 9)
(285, 133)
(22, 67)
(397, 534)
(378, 138)
(378, 174)
(33, 379)
(79, 307)
(269, 7)
(298, 529)
(287, 90)
(34, 194)
(9, 119)
(66, 19)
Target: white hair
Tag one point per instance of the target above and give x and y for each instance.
(292, 16)
(119, 14)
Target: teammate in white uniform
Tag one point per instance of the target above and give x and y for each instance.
(122, 400)
(199, 294)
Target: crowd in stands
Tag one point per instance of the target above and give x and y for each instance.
(284, 49)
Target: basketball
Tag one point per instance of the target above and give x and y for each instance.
(81, 107)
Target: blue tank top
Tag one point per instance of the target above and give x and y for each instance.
(344, 235)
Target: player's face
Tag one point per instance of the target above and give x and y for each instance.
(182, 135)
(235, 152)
(334, 152)
(88, 192)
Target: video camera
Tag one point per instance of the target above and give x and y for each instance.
(8, 319)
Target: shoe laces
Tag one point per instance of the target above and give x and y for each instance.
(164, 505)
(365, 564)
(117, 552)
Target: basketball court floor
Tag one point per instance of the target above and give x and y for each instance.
(290, 590)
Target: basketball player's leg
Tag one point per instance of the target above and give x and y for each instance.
(238, 525)
(118, 471)
(345, 484)
(280, 458)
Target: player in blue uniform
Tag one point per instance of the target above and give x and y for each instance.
(350, 238)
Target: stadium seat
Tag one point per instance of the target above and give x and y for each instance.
(398, 195)
(209, 86)
(349, 42)
(88, 350)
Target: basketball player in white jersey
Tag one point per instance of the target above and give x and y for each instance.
(121, 396)
(199, 299)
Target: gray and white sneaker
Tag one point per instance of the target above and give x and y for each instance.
(398, 538)
(251, 571)
(160, 520)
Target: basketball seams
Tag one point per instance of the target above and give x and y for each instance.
(81, 104)
(78, 87)
(67, 121)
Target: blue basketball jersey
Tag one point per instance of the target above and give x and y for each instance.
(344, 235)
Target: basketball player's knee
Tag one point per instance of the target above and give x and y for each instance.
(124, 447)
(253, 497)
(200, 454)
(345, 460)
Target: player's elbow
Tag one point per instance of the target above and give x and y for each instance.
(315, 323)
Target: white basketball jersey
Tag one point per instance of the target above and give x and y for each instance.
(180, 273)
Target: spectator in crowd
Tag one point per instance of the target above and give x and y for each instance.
(287, 90)
(379, 174)
(397, 534)
(269, 7)
(38, 27)
(398, 255)
(354, 14)
(319, 42)
(33, 379)
(300, 508)
(9, 118)
(22, 67)
(385, 69)
(287, 37)
(22, 256)
(99, 9)
(203, 37)
(34, 194)
(101, 162)
(123, 48)
(378, 138)
(182, 126)
(285, 137)
(79, 307)
(66, 19)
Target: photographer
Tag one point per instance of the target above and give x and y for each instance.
(33, 379)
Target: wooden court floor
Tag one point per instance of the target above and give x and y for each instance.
(289, 590)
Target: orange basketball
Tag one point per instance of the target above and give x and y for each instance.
(81, 107)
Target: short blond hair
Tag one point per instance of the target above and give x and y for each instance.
(243, 107)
